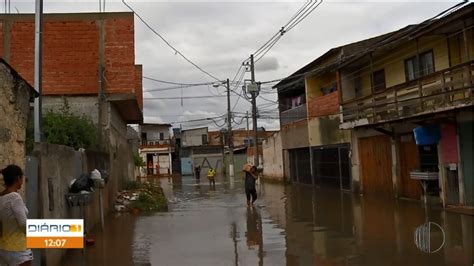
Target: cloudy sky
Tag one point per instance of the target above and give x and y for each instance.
(219, 35)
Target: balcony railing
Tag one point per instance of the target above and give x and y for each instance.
(443, 90)
(149, 144)
(294, 114)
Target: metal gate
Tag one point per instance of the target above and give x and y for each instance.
(300, 166)
(186, 166)
(331, 166)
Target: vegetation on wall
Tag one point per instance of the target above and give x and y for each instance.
(65, 128)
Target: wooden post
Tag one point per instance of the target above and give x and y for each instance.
(372, 86)
(420, 87)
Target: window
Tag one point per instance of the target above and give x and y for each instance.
(411, 69)
(419, 68)
(357, 85)
(378, 80)
(426, 63)
(204, 139)
(330, 89)
(162, 136)
(144, 140)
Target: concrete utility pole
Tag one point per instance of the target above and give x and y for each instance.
(229, 133)
(38, 116)
(254, 112)
(248, 132)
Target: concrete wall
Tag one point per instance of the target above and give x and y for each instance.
(118, 147)
(58, 166)
(211, 158)
(153, 132)
(295, 135)
(325, 131)
(273, 157)
(14, 110)
(193, 137)
(79, 105)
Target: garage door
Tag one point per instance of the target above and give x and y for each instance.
(375, 155)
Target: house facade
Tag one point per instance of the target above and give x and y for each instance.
(294, 129)
(156, 148)
(88, 66)
(407, 101)
(196, 150)
(315, 150)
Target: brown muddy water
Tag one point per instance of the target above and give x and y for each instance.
(290, 225)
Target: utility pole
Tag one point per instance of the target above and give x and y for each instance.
(254, 112)
(229, 133)
(38, 116)
(248, 132)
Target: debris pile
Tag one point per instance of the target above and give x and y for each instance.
(141, 197)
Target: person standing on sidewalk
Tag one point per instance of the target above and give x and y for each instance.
(250, 190)
(13, 214)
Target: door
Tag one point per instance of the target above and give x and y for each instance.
(467, 146)
(332, 166)
(186, 166)
(164, 161)
(376, 165)
(409, 161)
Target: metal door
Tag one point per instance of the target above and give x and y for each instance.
(186, 166)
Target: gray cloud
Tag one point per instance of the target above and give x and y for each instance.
(267, 64)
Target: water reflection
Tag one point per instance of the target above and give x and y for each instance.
(327, 227)
(254, 235)
(291, 225)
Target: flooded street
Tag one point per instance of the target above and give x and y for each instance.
(290, 225)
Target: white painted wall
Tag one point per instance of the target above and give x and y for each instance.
(273, 157)
(193, 137)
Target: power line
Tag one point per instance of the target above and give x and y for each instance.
(301, 14)
(167, 43)
(177, 83)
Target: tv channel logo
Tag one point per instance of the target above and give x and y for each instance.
(55, 233)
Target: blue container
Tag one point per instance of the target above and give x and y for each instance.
(427, 135)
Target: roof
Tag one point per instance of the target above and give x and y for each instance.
(156, 124)
(66, 16)
(191, 129)
(411, 32)
(33, 92)
(324, 61)
(350, 52)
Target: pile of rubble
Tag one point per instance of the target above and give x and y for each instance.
(141, 197)
(124, 200)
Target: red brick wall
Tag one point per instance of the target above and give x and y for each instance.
(71, 52)
(22, 46)
(323, 105)
(139, 85)
(120, 54)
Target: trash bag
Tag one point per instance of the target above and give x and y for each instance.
(104, 175)
(95, 175)
(84, 182)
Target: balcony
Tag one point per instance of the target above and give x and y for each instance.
(440, 91)
(294, 114)
(157, 144)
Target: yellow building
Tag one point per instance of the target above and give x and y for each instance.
(418, 77)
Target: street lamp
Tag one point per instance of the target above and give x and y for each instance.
(229, 128)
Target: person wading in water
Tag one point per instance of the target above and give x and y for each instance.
(250, 191)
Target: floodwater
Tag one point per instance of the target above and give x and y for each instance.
(290, 225)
